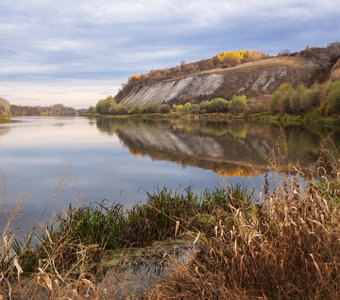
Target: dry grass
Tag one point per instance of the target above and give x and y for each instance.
(288, 248)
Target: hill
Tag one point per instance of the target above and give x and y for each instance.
(255, 76)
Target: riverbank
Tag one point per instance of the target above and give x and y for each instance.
(279, 119)
(283, 246)
(4, 121)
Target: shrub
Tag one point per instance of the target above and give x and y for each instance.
(164, 108)
(238, 104)
(187, 107)
(204, 106)
(103, 106)
(310, 100)
(149, 109)
(118, 109)
(297, 98)
(195, 108)
(215, 105)
(219, 105)
(333, 98)
(279, 99)
(5, 107)
(289, 100)
(178, 108)
(135, 110)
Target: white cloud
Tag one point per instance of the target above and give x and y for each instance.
(103, 40)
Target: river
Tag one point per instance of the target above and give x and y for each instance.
(47, 163)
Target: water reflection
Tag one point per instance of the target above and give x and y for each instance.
(4, 130)
(228, 148)
(119, 160)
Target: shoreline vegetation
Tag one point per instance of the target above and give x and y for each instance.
(284, 245)
(289, 105)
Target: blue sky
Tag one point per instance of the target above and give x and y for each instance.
(77, 51)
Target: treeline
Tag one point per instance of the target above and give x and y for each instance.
(323, 100)
(238, 104)
(221, 60)
(54, 110)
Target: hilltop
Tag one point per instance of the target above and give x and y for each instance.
(249, 73)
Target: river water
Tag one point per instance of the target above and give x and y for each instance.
(47, 163)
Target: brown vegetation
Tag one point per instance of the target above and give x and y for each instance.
(286, 248)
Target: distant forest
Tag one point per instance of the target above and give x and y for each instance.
(54, 110)
(6, 109)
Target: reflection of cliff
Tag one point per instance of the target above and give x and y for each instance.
(230, 149)
(206, 151)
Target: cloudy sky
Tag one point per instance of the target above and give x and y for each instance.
(77, 51)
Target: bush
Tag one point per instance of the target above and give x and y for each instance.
(279, 99)
(289, 100)
(164, 108)
(295, 102)
(204, 106)
(215, 105)
(135, 110)
(178, 108)
(333, 98)
(103, 106)
(187, 107)
(238, 104)
(195, 109)
(5, 107)
(310, 100)
(149, 109)
(219, 105)
(118, 109)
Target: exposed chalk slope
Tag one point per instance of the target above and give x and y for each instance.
(252, 79)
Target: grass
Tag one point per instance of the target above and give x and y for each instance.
(284, 246)
(4, 121)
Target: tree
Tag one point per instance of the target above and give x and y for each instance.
(219, 105)
(5, 107)
(333, 98)
(296, 100)
(164, 108)
(103, 106)
(238, 104)
(279, 100)
(311, 99)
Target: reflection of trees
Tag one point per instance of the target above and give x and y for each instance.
(229, 148)
(4, 130)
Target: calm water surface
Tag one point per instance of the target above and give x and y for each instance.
(49, 163)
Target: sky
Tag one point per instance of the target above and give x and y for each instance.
(76, 52)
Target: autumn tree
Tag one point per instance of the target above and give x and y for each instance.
(5, 107)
